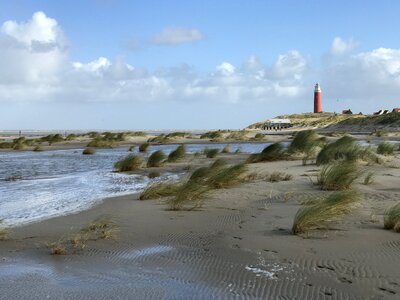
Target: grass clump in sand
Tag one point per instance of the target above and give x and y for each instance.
(211, 153)
(129, 163)
(131, 148)
(344, 148)
(101, 228)
(160, 139)
(259, 136)
(306, 143)
(159, 190)
(191, 194)
(89, 151)
(156, 159)
(320, 213)
(386, 148)
(177, 154)
(213, 135)
(369, 178)
(279, 176)
(273, 152)
(226, 149)
(392, 218)
(143, 147)
(338, 175)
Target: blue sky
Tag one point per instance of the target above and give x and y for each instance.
(114, 64)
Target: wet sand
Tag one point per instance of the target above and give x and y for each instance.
(239, 245)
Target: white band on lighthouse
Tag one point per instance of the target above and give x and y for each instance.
(317, 87)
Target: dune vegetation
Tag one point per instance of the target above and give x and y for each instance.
(307, 144)
(211, 153)
(392, 218)
(89, 151)
(386, 148)
(273, 152)
(156, 159)
(338, 175)
(177, 154)
(101, 228)
(321, 212)
(129, 163)
(160, 190)
(143, 147)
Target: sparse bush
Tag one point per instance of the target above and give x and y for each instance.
(160, 139)
(156, 159)
(71, 137)
(19, 146)
(392, 218)
(273, 152)
(129, 163)
(89, 151)
(211, 153)
(143, 147)
(177, 154)
(385, 148)
(338, 175)
(159, 190)
(5, 145)
(322, 212)
(177, 134)
(57, 248)
(154, 174)
(52, 138)
(226, 177)
(226, 149)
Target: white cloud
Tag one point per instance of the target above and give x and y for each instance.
(177, 35)
(341, 46)
(225, 69)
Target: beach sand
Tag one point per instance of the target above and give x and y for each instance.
(239, 245)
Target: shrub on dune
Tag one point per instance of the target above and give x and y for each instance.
(156, 159)
(88, 151)
(338, 175)
(37, 149)
(385, 148)
(259, 136)
(154, 174)
(392, 218)
(211, 153)
(129, 163)
(143, 147)
(177, 154)
(159, 190)
(322, 212)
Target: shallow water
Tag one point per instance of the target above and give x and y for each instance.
(53, 183)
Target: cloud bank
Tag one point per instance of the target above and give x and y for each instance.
(36, 67)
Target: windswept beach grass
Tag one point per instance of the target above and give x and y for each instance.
(129, 163)
(392, 218)
(322, 212)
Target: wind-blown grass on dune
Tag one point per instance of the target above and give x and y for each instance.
(129, 163)
(392, 218)
(344, 148)
(159, 190)
(177, 154)
(272, 152)
(156, 159)
(386, 148)
(322, 212)
(306, 143)
(338, 175)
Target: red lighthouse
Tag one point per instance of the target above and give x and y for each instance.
(317, 99)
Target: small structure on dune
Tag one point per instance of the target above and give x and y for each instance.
(277, 124)
(347, 112)
(396, 109)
